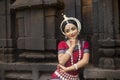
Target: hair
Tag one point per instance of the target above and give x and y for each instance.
(68, 21)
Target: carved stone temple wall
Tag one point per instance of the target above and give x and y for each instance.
(28, 38)
(106, 41)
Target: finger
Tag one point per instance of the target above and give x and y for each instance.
(61, 66)
(62, 70)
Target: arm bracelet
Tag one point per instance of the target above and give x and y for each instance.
(68, 52)
(75, 65)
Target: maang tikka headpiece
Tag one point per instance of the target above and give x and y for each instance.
(70, 18)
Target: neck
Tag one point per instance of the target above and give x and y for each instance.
(75, 39)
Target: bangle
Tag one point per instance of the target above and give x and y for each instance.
(75, 65)
(68, 52)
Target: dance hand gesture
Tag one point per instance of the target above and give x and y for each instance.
(73, 42)
(62, 68)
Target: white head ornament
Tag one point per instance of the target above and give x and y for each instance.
(70, 18)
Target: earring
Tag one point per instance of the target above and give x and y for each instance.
(65, 37)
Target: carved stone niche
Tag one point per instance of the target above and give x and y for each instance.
(35, 23)
(107, 50)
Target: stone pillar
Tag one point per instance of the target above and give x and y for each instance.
(6, 40)
(105, 33)
(107, 60)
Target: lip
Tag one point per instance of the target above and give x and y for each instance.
(72, 35)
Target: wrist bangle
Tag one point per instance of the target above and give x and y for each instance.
(75, 65)
(68, 52)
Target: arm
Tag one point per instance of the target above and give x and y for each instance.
(79, 64)
(63, 57)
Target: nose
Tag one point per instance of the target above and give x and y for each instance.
(71, 32)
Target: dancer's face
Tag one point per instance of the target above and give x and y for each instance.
(71, 31)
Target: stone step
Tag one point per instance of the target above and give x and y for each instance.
(25, 76)
(38, 57)
(94, 73)
(18, 75)
(18, 66)
(26, 71)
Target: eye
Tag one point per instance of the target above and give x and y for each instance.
(73, 28)
(67, 31)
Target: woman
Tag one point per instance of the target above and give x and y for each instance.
(73, 53)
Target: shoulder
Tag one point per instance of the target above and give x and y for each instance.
(85, 43)
(62, 44)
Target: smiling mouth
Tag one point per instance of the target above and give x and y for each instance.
(72, 35)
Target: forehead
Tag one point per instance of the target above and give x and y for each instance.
(69, 25)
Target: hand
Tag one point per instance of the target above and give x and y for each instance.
(73, 42)
(62, 68)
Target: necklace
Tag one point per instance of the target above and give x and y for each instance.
(79, 53)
